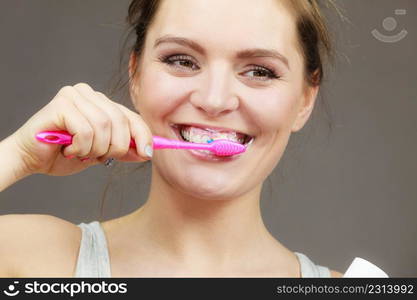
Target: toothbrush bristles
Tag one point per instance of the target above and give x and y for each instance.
(227, 148)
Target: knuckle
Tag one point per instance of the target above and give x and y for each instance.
(121, 106)
(86, 134)
(143, 130)
(121, 119)
(100, 94)
(140, 118)
(139, 123)
(66, 90)
(60, 99)
(79, 151)
(99, 152)
(82, 85)
(118, 151)
(126, 110)
(103, 122)
(147, 131)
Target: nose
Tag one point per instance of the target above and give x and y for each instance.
(215, 93)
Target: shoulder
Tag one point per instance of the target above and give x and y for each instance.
(37, 245)
(336, 274)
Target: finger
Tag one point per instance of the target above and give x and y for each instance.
(120, 132)
(133, 156)
(99, 121)
(140, 131)
(78, 126)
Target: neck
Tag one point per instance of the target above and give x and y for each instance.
(201, 232)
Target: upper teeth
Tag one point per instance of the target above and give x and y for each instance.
(199, 135)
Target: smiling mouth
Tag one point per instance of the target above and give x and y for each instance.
(202, 134)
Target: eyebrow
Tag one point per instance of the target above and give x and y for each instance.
(246, 53)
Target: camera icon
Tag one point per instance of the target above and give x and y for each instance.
(390, 24)
(11, 290)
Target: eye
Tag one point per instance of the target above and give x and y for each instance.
(179, 61)
(262, 73)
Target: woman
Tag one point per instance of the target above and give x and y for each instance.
(198, 70)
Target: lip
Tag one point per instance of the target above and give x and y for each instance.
(201, 155)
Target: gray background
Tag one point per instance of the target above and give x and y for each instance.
(336, 194)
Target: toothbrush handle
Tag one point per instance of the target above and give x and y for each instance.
(65, 138)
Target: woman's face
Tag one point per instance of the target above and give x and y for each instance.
(232, 64)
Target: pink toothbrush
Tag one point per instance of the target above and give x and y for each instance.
(221, 147)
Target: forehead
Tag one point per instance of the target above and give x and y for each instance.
(228, 24)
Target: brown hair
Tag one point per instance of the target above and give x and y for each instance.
(313, 36)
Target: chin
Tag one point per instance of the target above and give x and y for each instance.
(201, 179)
(209, 188)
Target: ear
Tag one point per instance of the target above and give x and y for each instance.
(306, 107)
(132, 70)
(132, 64)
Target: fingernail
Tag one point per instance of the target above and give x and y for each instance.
(70, 156)
(84, 159)
(148, 150)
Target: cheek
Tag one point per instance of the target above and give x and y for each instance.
(274, 109)
(158, 93)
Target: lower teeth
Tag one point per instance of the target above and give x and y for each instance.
(204, 151)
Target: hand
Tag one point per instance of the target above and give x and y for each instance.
(101, 129)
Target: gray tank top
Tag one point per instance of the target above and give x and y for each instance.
(93, 257)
